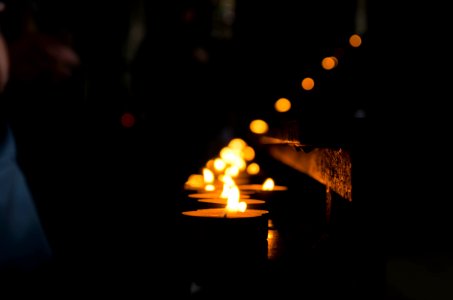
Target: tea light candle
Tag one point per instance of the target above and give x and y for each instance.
(258, 191)
(223, 213)
(216, 202)
(221, 243)
(224, 201)
(215, 195)
(259, 188)
(234, 225)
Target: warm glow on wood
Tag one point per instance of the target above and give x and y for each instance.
(282, 105)
(330, 62)
(259, 126)
(355, 40)
(253, 169)
(308, 83)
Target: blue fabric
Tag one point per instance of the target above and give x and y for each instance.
(23, 243)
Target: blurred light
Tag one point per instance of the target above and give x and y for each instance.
(330, 62)
(127, 120)
(355, 40)
(210, 164)
(268, 184)
(195, 181)
(259, 126)
(233, 203)
(308, 83)
(209, 188)
(237, 144)
(232, 171)
(219, 164)
(232, 157)
(282, 105)
(249, 153)
(208, 176)
(253, 169)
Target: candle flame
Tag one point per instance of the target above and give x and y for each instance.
(268, 185)
(227, 187)
(209, 187)
(233, 204)
(219, 164)
(208, 176)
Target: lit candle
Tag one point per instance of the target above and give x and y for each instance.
(234, 217)
(268, 185)
(224, 247)
(223, 213)
(223, 202)
(216, 195)
(265, 191)
(259, 188)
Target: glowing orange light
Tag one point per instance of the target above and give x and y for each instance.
(232, 171)
(282, 105)
(219, 164)
(330, 62)
(208, 176)
(259, 126)
(268, 184)
(233, 203)
(308, 83)
(249, 153)
(355, 40)
(209, 188)
(195, 181)
(237, 144)
(253, 169)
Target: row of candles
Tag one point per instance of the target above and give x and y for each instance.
(235, 227)
(224, 182)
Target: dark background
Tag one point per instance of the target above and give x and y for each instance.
(100, 187)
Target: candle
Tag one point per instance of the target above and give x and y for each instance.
(236, 236)
(215, 195)
(224, 250)
(224, 214)
(220, 201)
(259, 188)
(231, 233)
(267, 195)
(263, 190)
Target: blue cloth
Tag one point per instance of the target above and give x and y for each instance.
(23, 242)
